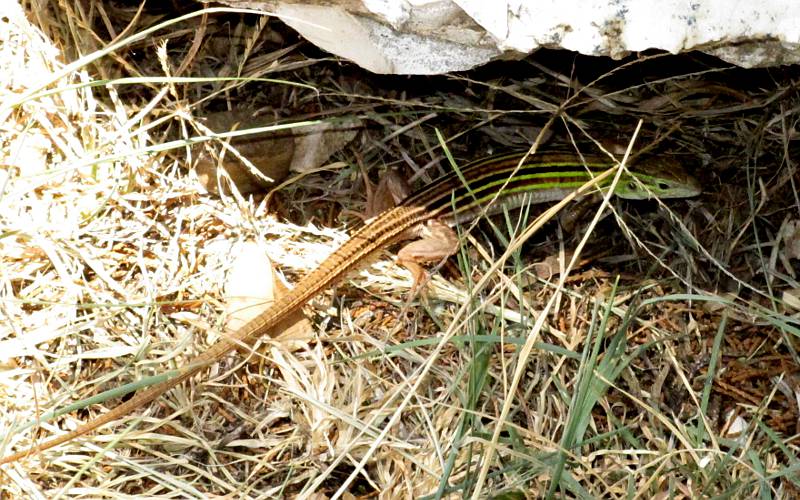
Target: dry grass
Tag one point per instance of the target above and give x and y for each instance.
(664, 365)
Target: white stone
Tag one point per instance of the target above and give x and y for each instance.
(439, 36)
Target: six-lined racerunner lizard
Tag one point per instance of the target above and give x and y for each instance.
(483, 187)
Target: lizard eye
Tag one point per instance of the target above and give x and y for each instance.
(663, 185)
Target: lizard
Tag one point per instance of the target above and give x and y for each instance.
(483, 187)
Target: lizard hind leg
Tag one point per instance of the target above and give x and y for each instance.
(437, 241)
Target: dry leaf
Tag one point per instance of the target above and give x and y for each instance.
(251, 287)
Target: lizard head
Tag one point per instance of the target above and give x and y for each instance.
(657, 178)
